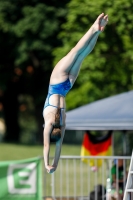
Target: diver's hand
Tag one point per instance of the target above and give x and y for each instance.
(50, 169)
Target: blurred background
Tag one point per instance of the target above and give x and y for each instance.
(34, 36)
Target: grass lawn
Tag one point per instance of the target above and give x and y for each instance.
(72, 177)
(18, 152)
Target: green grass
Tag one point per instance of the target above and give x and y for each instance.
(68, 169)
(18, 152)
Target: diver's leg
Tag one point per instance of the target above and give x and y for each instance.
(74, 71)
(63, 67)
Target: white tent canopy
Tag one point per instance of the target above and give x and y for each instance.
(112, 113)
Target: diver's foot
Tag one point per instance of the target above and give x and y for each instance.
(100, 22)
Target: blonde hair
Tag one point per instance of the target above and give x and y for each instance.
(56, 132)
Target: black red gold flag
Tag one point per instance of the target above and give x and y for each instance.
(96, 146)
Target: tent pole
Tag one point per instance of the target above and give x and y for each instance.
(112, 143)
(124, 143)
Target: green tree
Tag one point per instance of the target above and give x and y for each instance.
(28, 34)
(108, 69)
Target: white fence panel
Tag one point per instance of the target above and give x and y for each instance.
(76, 180)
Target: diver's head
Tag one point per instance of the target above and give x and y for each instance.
(55, 135)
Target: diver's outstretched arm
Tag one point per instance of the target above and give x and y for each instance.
(46, 133)
(58, 148)
(51, 169)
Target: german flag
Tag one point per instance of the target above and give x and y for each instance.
(96, 146)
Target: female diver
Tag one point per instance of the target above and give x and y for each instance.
(61, 81)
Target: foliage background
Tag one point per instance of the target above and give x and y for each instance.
(108, 69)
(35, 35)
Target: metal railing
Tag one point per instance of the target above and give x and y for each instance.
(76, 178)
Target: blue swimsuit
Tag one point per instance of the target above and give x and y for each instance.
(61, 89)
